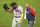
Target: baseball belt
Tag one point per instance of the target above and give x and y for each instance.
(17, 16)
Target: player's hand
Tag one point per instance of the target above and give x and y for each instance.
(34, 22)
(19, 21)
(6, 7)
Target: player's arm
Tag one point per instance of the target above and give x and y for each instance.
(10, 11)
(21, 16)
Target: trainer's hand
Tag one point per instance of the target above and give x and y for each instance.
(19, 21)
(34, 22)
(25, 17)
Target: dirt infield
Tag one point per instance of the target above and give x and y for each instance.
(3, 26)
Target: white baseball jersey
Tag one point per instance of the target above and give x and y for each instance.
(18, 11)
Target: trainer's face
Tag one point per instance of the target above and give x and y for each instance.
(27, 5)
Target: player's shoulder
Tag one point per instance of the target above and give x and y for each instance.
(19, 6)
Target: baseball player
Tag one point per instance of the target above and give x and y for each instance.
(30, 15)
(18, 14)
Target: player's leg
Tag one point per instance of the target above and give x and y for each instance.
(17, 19)
(14, 23)
(30, 23)
(19, 25)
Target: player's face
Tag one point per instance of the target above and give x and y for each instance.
(15, 6)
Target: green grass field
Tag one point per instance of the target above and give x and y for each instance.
(6, 18)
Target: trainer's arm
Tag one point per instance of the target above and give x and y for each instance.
(25, 15)
(34, 15)
(10, 11)
(35, 18)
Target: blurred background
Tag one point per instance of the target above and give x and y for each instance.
(6, 18)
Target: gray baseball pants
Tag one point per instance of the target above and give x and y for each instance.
(30, 23)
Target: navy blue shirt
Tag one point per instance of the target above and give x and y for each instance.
(29, 15)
